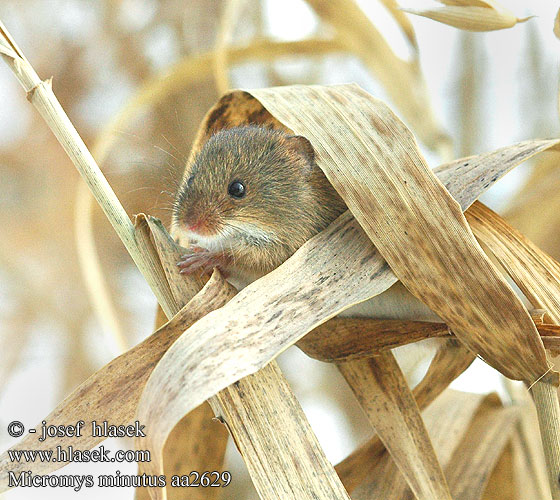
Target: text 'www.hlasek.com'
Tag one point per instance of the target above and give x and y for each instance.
(26, 461)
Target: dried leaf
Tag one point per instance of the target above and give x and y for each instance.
(450, 361)
(533, 271)
(336, 269)
(470, 15)
(476, 456)
(197, 443)
(486, 168)
(287, 463)
(249, 407)
(447, 421)
(344, 339)
(469, 432)
(537, 275)
(387, 185)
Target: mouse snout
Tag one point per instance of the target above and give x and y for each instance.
(200, 224)
(197, 226)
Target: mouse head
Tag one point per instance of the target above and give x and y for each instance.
(248, 188)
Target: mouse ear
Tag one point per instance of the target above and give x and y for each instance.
(302, 146)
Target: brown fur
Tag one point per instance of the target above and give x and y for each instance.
(287, 196)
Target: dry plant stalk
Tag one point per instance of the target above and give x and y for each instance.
(530, 462)
(384, 395)
(41, 96)
(228, 21)
(402, 20)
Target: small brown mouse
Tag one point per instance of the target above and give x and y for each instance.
(249, 200)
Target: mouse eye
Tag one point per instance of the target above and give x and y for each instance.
(190, 181)
(236, 189)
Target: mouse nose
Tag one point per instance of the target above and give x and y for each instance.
(195, 226)
(199, 226)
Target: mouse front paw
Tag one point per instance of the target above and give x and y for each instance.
(202, 261)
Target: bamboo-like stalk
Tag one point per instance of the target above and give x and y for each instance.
(527, 446)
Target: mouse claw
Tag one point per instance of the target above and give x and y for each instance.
(201, 260)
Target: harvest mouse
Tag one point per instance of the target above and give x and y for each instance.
(250, 199)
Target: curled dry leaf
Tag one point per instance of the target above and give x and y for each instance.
(557, 24)
(470, 15)
(288, 463)
(372, 160)
(198, 442)
(339, 267)
(533, 271)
